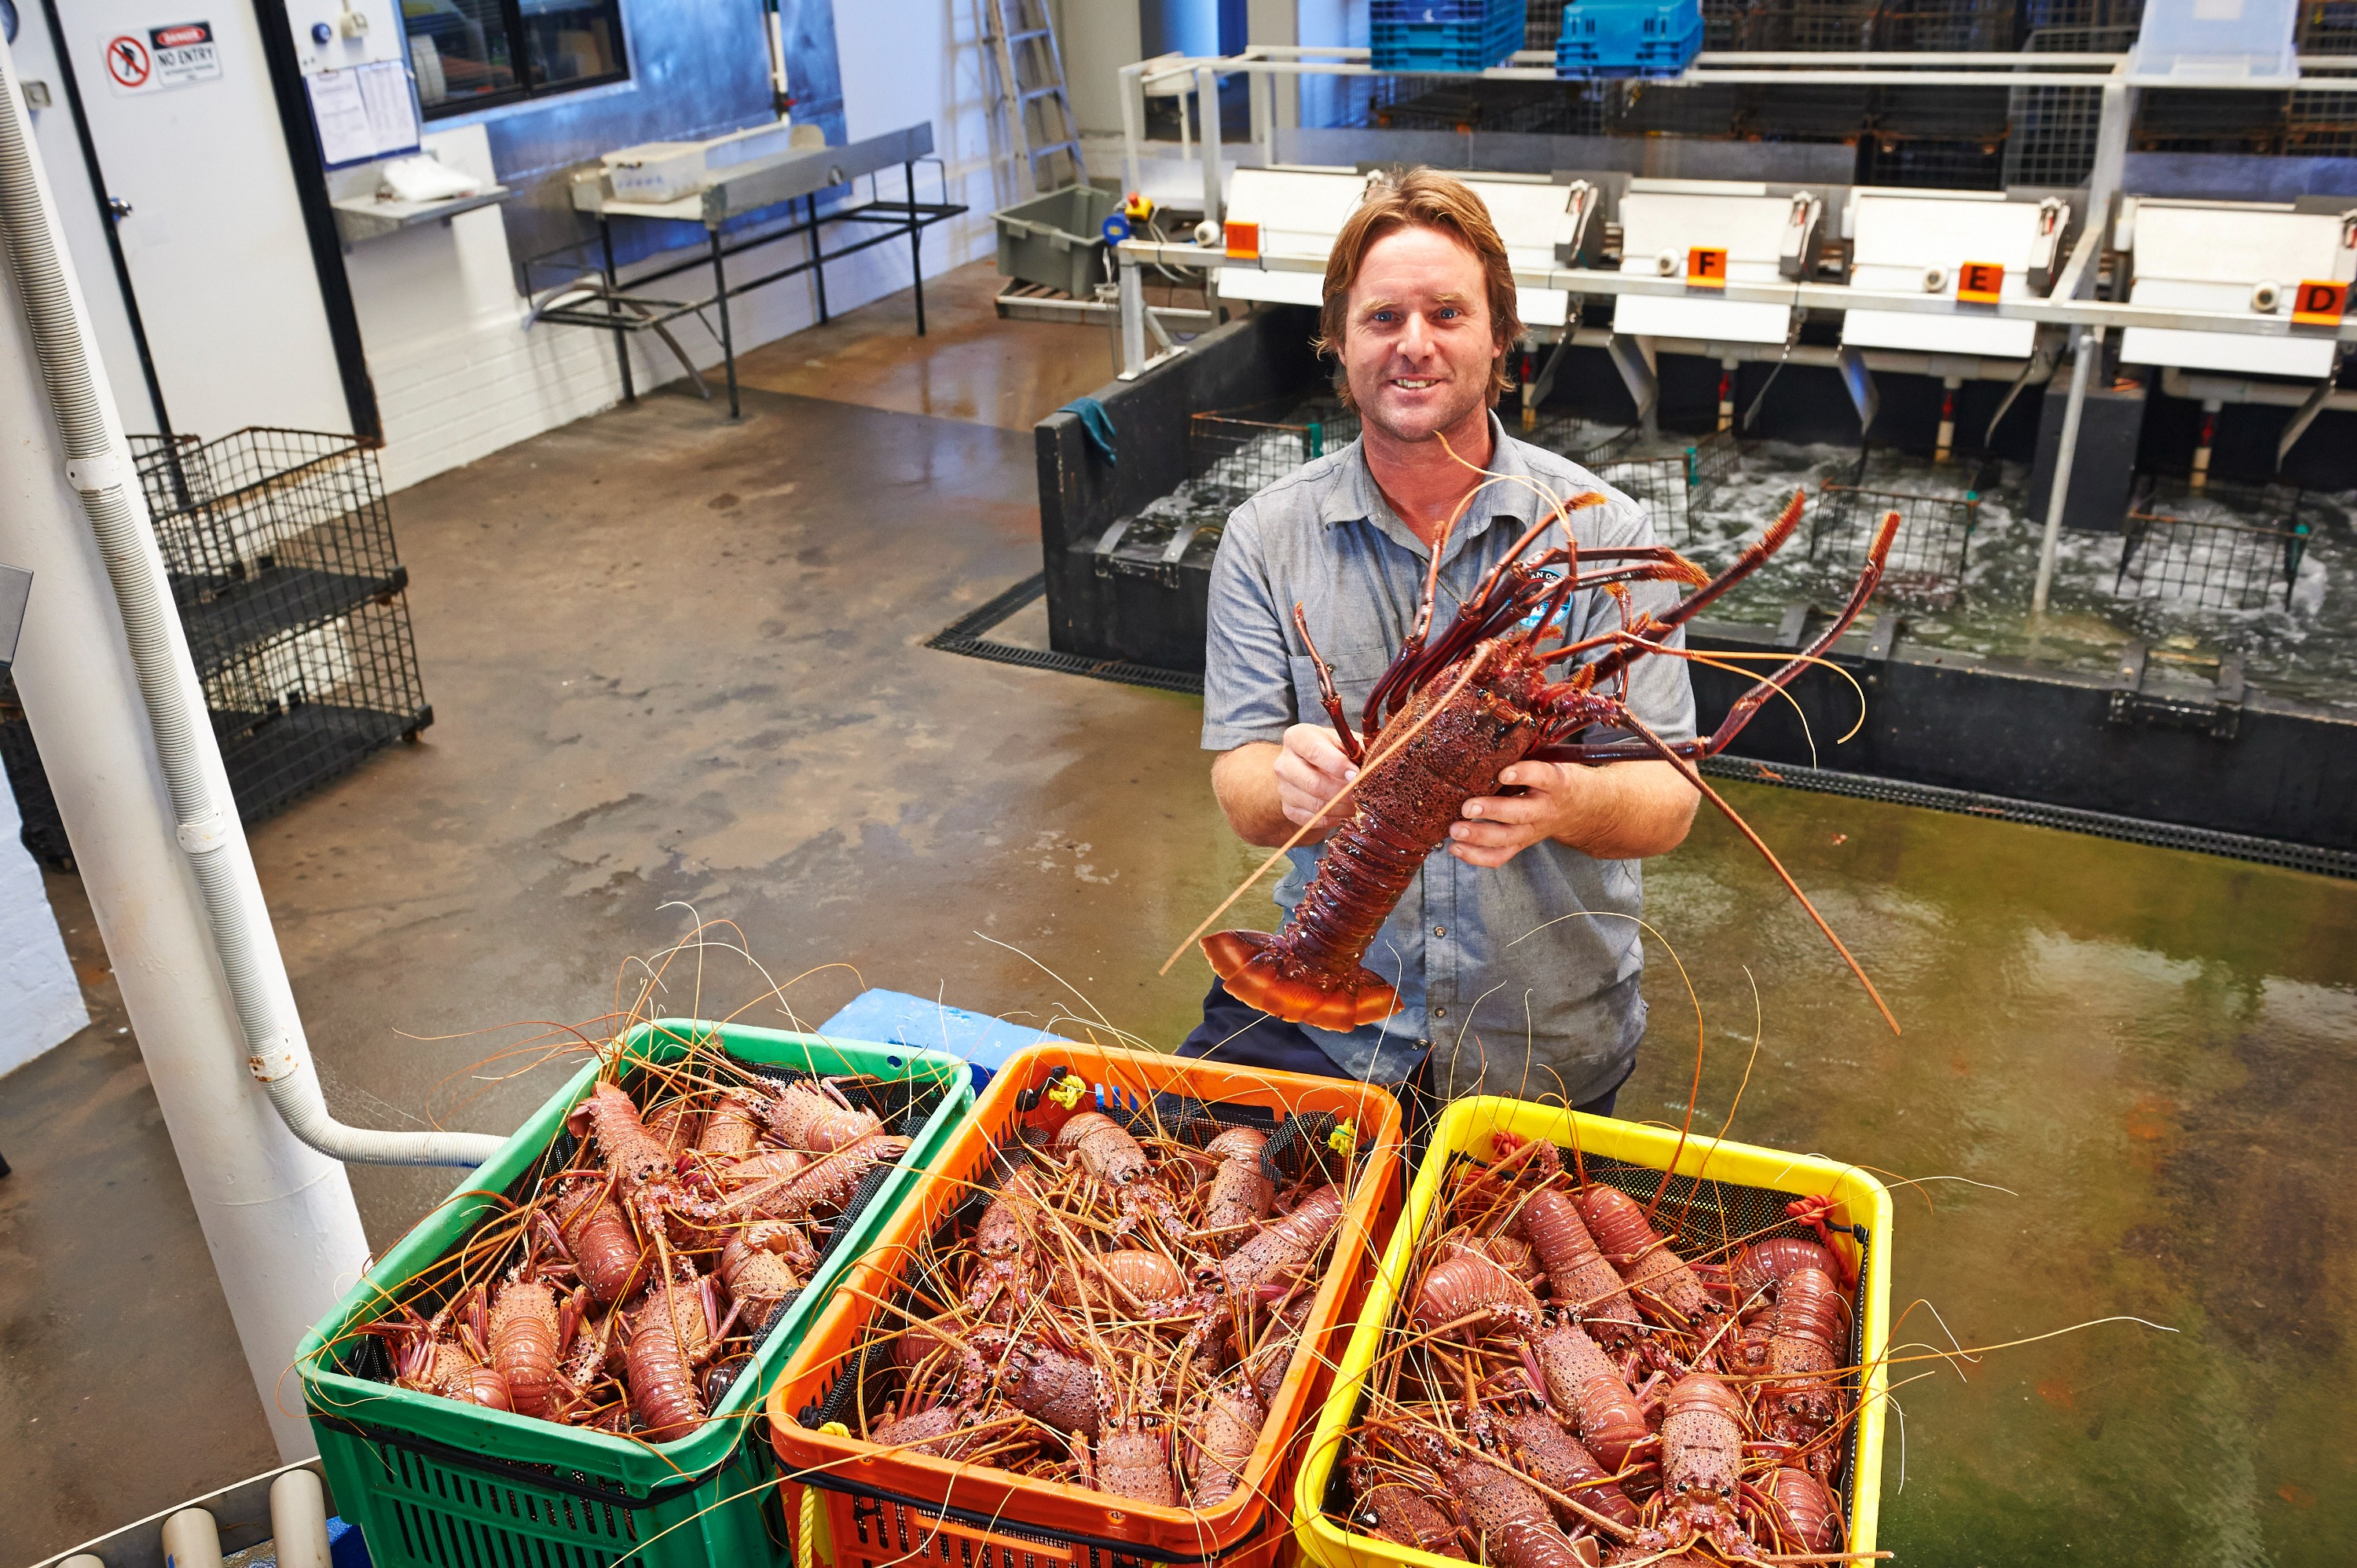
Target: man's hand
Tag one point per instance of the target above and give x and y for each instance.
(1311, 769)
(1623, 811)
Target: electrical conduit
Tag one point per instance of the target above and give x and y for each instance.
(98, 468)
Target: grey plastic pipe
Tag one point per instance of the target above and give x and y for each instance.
(98, 466)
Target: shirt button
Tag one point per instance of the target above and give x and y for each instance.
(1440, 931)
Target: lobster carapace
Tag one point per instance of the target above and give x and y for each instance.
(1452, 712)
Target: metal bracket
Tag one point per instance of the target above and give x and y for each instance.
(1634, 358)
(2131, 706)
(1858, 382)
(1536, 390)
(1793, 629)
(1884, 639)
(2305, 414)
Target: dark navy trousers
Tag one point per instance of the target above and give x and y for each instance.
(1237, 1034)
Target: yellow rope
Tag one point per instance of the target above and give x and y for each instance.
(806, 1537)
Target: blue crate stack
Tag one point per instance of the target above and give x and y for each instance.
(1628, 37)
(1445, 34)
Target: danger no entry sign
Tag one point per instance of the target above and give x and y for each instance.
(175, 54)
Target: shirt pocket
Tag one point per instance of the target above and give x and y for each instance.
(1355, 675)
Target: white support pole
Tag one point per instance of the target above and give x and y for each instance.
(277, 1216)
(1132, 320)
(1133, 126)
(2090, 350)
(1207, 100)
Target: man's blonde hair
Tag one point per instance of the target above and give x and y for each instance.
(1421, 198)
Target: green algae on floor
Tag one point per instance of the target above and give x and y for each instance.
(2149, 1048)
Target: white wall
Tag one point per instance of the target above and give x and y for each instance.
(458, 375)
(1098, 37)
(39, 994)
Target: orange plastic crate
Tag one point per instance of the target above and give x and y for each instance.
(881, 1508)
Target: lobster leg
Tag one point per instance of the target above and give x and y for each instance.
(1326, 693)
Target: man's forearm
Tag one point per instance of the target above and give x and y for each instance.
(1244, 780)
(1633, 810)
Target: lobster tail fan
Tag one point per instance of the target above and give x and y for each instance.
(1248, 963)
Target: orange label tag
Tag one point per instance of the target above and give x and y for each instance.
(1706, 267)
(2319, 303)
(1979, 283)
(1243, 240)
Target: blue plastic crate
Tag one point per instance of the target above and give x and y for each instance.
(1628, 37)
(1444, 35)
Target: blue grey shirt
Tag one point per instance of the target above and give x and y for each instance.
(1523, 978)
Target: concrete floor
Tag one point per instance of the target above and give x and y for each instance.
(674, 663)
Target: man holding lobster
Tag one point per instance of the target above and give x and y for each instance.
(1515, 954)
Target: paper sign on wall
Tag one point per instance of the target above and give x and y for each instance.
(177, 54)
(365, 112)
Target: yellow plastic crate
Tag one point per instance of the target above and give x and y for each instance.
(1741, 1173)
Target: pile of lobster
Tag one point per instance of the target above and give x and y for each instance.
(627, 1286)
(1562, 1387)
(1117, 1310)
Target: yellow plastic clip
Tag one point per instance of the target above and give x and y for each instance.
(1343, 1138)
(1067, 1091)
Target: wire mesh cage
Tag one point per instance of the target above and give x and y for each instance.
(2321, 124)
(266, 533)
(1541, 23)
(1944, 25)
(278, 548)
(2050, 131)
(1585, 441)
(1829, 24)
(2194, 120)
(1469, 104)
(2225, 547)
(1928, 557)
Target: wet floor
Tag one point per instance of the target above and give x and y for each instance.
(678, 660)
(2150, 1049)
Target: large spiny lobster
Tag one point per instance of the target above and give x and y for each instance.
(1452, 712)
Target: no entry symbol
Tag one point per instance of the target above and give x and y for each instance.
(128, 61)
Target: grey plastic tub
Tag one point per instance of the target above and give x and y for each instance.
(1055, 240)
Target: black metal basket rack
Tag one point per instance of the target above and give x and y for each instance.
(278, 546)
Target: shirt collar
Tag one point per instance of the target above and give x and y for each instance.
(1353, 496)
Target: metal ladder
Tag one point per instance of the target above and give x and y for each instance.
(1030, 72)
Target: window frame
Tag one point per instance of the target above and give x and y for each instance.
(524, 92)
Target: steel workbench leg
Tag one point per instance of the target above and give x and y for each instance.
(916, 244)
(818, 260)
(621, 338)
(727, 340)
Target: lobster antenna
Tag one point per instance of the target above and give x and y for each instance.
(1694, 777)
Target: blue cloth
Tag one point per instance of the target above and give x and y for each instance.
(346, 1548)
(1096, 425)
(1523, 979)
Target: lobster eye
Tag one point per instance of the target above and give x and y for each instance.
(1682, 1488)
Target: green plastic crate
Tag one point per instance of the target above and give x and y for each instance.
(436, 1484)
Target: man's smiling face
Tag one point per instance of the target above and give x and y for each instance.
(1417, 345)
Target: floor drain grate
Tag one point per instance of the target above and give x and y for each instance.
(965, 636)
